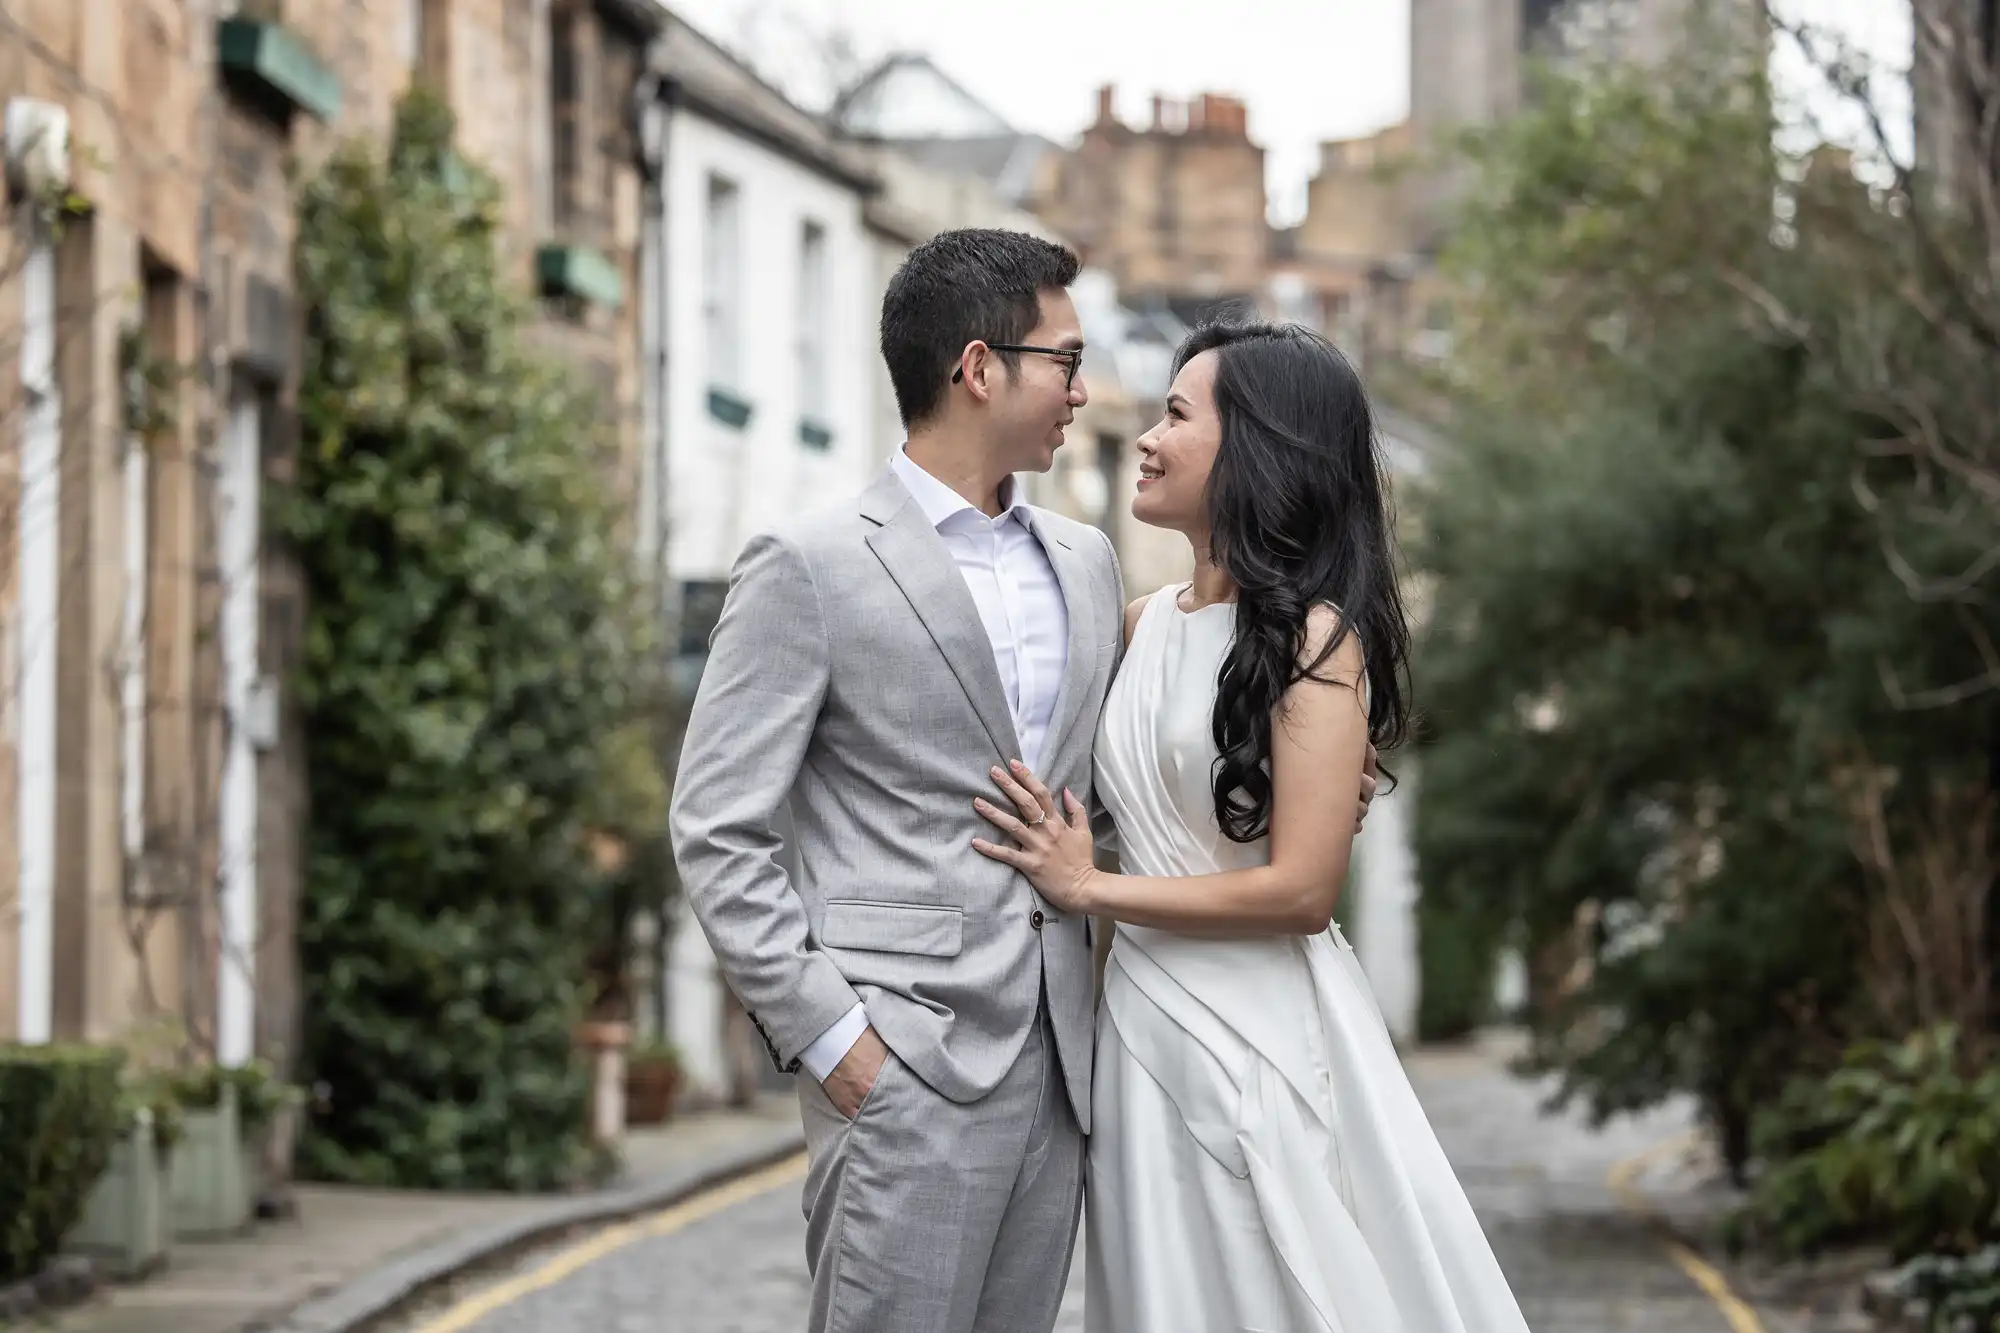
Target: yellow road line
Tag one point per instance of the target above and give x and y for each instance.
(472, 1309)
(1626, 1171)
(1741, 1318)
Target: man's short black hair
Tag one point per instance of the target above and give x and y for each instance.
(960, 285)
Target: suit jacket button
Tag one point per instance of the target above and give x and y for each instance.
(1036, 919)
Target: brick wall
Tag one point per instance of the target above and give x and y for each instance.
(189, 238)
(1174, 209)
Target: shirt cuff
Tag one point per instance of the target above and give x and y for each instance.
(831, 1046)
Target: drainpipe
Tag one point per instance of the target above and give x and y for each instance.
(651, 107)
(649, 114)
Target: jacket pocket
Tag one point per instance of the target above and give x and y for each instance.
(892, 927)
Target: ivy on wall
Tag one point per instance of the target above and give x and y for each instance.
(467, 655)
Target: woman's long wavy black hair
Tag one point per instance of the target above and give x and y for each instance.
(1299, 516)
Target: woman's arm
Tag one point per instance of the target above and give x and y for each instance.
(1319, 746)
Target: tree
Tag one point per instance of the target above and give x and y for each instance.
(815, 57)
(1656, 661)
(466, 654)
(1914, 332)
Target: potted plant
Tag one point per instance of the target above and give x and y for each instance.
(652, 1082)
(215, 1169)
(125, 1222)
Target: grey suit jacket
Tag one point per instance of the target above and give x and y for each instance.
(850, 674)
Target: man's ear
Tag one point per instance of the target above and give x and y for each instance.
(975, 369)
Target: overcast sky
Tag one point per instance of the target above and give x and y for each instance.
(1310, 69)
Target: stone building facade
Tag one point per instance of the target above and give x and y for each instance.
(1174, 211)
(1354, 260)
(151, 763)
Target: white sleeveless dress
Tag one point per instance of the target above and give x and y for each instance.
(1258, 1159)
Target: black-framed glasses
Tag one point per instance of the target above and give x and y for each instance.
(1072, 357)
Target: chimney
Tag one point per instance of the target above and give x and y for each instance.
(1106, 96)
(1225, 115)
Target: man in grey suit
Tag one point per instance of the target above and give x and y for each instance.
(873, 665)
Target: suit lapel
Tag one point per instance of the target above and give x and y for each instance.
(917, 559)
(1078, 667)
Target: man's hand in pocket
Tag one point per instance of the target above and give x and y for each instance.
(852, 1079)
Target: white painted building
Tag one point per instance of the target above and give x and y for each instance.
(761, 290)
(770, 324)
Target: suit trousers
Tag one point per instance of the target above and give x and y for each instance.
(925, 1215)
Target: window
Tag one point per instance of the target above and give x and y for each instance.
(566, 127)
(812, 328)
(1536, 15)
(413, 35)
(701, 609)
(617, 145)
(149, 407)
(722, 283)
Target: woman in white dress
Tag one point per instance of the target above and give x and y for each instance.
(1258, 1159)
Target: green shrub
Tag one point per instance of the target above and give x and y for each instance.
(466, 658)
(260, 1093)
(157, 1094)
(1458, 947)
(59, 1117)
(1899, 1144)
(1947, 1292)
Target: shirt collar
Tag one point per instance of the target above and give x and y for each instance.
(941, 503)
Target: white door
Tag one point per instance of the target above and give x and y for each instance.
(695, 1005)
(38, 542)
(239, 498)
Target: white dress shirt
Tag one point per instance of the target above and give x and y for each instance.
(1021, 604)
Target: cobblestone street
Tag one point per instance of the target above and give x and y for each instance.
(1578, 1261)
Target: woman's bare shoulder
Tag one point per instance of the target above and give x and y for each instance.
(1347, 665)
(1133, 610)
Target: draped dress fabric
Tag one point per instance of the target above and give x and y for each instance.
(1259, 1160)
